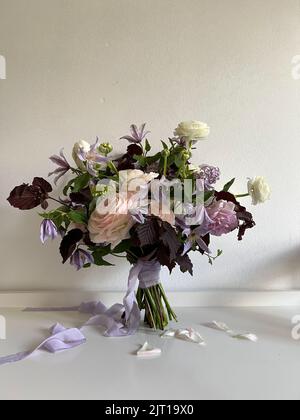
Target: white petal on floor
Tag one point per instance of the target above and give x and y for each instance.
(219, 326)
(249, 337)
(168, 334)
(148, 351)
(189, 334)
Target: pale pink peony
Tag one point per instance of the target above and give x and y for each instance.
(111, 221)
(223, 216)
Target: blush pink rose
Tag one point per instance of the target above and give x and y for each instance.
(111, 221)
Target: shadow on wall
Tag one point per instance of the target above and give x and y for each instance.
(282, 272)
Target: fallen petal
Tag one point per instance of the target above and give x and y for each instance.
(249, 337)
(190, 335)
(148, 351)
(168, 334)
(219, 326)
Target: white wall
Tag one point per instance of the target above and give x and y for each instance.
(81, 68)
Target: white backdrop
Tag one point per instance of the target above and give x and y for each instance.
(81, 68)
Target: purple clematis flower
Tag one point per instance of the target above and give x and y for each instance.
(63, 166)
(137, 134)
(195, 238)
(92, 158)
(80, 258)
(48, 230)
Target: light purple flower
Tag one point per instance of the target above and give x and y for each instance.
(223, 216)
(92, 158)
(48, 230)
(210, 175)
(195, 238)
(80, 258)
(137, 134)
(194, 216)
(63, 166)
(181, 141)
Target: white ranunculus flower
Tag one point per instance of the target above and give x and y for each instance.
(81, 145)
(259, 190)
(192, 130)
(133, 179)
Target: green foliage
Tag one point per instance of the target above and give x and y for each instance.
(147, 146)
(78, 216)
(212, 259)
(99, 253)
(123, 247)
(59, 217)
(229, 185)
(81, 182)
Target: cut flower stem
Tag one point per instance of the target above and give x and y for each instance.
(158, 311)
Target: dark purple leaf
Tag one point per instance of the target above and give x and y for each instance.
(163, 257)
(148, 233)
(185, 264)
(25, 197)
(134, 150)
(226, 196)
(170, 239)
(42, 184)
(69, 243)
(82, 197)
(247, 223)
(125, 163)
(44, 205)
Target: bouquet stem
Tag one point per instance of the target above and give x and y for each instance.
(158, 311)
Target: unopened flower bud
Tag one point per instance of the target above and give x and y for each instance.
(105, 148)
(186, 154)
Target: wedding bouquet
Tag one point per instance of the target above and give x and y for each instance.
(153, 209)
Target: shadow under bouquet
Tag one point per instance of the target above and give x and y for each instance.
(152, 209)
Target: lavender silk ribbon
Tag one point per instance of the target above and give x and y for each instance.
(119, 320)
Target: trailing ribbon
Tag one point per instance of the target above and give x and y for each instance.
(60, 339)
(119, 320)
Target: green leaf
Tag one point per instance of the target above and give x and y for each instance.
(81, 182)
(87, 266)
(99, 260)
(229, 185)
(58, 217)
(123, 247)
(148, 146)
(101, 251)
(179, 162)
(77, 217)
(140, 159)
(208, 195)
(165, 146)
(68, 186)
